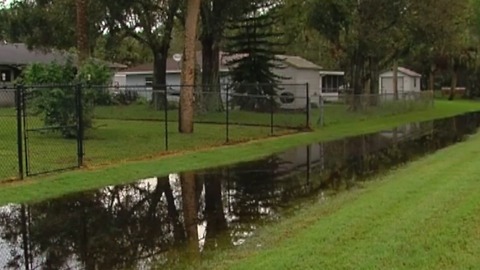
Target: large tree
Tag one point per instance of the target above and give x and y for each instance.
(438, 28)
(215, 14)
(81, 30)
(188, 68)
(53, 24)
(253, 48)
(366, 37)
(301, 39)
(150, 22)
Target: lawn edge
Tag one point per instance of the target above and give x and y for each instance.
(53, 186)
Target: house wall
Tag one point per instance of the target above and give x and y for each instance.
(7, 96)
(140, 84)
(295, 77)
(405, 83)
(386, 85)
(296, 84)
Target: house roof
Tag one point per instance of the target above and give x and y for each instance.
(299, 62)
(406, 71)
(18, 54)
(174, 67)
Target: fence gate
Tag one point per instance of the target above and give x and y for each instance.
(52, 126)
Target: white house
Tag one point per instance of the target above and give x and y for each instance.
(297, 73)
(14, 57)
(408, 81)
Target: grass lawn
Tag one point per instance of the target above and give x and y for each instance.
(117, 141)
(112, 141)
(334, 113)
(424, 215)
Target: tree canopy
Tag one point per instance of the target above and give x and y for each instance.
(438, 38)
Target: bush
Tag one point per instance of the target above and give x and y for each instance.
(125, 97)
(52, 92)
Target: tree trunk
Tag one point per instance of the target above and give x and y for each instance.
(82, 31)
(358, 66)
(395, 79)
(188, 68)
(25, 237)
(216, 220)
(190, 205)
(453, 86)
(159, 78)
(431, 80)
(173, 215)
(374, 87)
(210, 75)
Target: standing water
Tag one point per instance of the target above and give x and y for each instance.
(158, 222)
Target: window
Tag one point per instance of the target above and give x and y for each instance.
(148, 81)
(287, 98)
(415, 82)
(5, 76)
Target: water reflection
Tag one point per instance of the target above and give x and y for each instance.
(170, 220)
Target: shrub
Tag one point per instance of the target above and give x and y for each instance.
(52, 92)
(125, 97)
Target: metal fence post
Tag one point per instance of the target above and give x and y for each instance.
(19, 107)
(80, 124)
(308, 104)
(321, 120)
(165, 115)
(227, 116)
(25, 131)
(272, 105)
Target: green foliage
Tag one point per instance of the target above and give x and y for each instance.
(51, 23)
(254, 47)
(51, 89)
(128, 51)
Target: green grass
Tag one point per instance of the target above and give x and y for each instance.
(119, 135)
(56, 185)
(424, 215)
(112, 141)
(145, 112)
(334, 113)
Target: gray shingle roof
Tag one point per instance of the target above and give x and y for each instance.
(18, 54)
(405, 71)
(172, 66)
(299, 62)
(409, 72)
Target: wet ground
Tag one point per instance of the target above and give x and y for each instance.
(159, 221)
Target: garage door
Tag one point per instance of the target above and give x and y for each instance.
(386, 86)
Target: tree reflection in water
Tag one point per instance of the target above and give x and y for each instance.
(169, 220)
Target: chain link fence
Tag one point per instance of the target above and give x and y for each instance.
(340, 106)
(57, 127)
(50, 127)
(8, 133)
(147, 117)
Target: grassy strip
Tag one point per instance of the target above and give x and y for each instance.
(57, 185)
(421, 216)
(137, 132)
(114, 141)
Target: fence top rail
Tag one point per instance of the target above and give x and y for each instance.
(86, 84)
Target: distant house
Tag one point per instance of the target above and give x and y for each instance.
(296, 70)
(331, 83)
(14, 57)
(408, 81)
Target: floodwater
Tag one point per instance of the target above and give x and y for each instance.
(163, 222)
